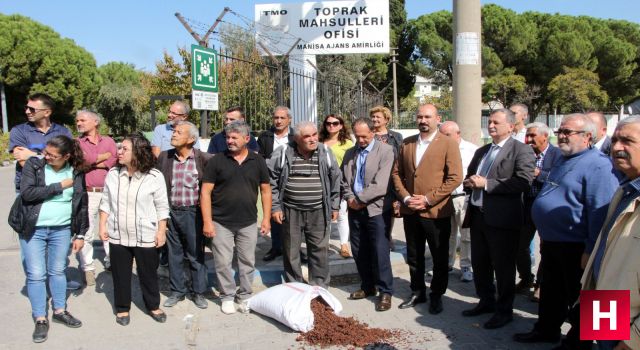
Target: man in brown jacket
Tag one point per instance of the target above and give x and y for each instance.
(429, 168)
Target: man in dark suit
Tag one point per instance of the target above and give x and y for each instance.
(497, 177)
(366, 170)
(547, 155)
(428, 170)
(279, 135)
(600, 140)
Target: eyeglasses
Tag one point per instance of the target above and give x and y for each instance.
(33, 109)
(51, 156)
(332, 123)
(177, 114)
(568, 132)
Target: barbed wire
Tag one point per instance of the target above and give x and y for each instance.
(278, 41)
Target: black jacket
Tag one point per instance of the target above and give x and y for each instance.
(34, 191)
(265, 141)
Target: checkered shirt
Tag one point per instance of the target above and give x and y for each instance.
(184, 184)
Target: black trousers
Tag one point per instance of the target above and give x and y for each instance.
(436, 232)
(147, 261)
(528, 230)
(560, 287)
(370, 248)
(185, 240)
(493, 251)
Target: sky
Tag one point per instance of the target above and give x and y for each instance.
(139, 31)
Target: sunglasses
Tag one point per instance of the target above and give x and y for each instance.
(33, 109)
(568, 132)
(332, 123)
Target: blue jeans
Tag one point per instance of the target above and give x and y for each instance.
(45, 254)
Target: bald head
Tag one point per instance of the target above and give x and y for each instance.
(451, 129)
(600, 122)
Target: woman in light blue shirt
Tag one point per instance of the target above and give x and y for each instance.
(54, 207)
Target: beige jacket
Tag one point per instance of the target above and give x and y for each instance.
(620, 267)
(134, 206)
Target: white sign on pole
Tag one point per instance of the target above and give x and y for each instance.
(325, 27)
(468, 48)
(204, 100)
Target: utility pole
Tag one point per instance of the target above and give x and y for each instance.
(3, 102)
(204, 42)
(394, 60)
(467, 89)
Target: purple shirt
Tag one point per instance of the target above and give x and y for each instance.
(95, 176)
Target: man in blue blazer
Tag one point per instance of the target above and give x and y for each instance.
(547, 155)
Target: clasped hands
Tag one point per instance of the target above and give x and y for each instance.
(475, 181)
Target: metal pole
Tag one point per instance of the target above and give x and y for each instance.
(395, 85)
(467, 90)
(5, 119)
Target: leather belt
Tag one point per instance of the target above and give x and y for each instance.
(95, 189)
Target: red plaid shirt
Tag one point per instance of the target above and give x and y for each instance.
(185, 189)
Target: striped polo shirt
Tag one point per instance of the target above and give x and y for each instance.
(303, 190)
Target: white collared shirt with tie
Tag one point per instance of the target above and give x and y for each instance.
(495, 148)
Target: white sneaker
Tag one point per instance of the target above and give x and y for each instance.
(228, 307)
(467, 275)
(243, 307)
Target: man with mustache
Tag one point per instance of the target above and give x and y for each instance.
(228, 202)
(498, 175)
(615, 261)
(568, 212)
(183, 169)
(305, 185)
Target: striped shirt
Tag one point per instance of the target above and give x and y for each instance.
(184, 183)
(303, 190)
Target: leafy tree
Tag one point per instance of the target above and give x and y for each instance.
(504, 87)
(122, 100)
(577, 89)
(34, 58)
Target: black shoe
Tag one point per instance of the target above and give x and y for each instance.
(65, 318)
(414, 299)
(123, 320)
(271, 255)
(200, 301)
(524, 287)
(160, 317)
(40, 331)
(536, 337)
(435, 306)
(173, 299)
(478, 310)
(498, 320)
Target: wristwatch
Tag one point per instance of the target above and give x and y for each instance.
(80, 237)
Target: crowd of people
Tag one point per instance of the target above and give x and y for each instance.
(579, 196)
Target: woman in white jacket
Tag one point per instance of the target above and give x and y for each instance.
(133, 218)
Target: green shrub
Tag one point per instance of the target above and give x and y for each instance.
(4, 148)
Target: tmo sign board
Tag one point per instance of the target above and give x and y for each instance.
(324, 27)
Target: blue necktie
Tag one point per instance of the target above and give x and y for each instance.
(476, 195)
